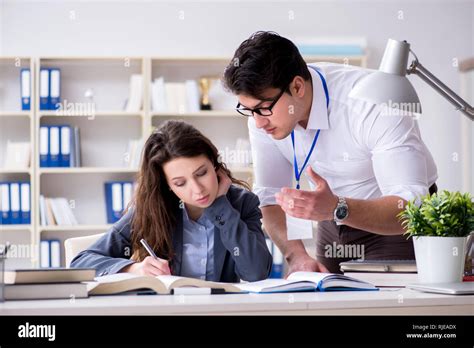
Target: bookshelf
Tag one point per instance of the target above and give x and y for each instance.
(17, 125)
(105, 132)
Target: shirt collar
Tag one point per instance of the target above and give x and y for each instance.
(318, 114)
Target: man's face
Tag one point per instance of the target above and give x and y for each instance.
(286, 112)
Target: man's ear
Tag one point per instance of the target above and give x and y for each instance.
(298, 86)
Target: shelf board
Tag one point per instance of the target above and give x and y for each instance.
(121, 113)
(75, 228)
(86, 170)
(171, 59)
(15, 171)
(210, 113)
(15, 113)
(15, 228)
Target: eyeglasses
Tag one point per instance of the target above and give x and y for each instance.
(248, 112)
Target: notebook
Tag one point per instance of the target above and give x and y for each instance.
(298, 281)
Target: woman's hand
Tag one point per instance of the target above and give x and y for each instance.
(149, 267)
(224, 183)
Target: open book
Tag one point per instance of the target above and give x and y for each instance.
(298, 281)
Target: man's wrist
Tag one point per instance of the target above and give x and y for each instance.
(295, 251)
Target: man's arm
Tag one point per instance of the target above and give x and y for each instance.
(295, 254)
(377, 215)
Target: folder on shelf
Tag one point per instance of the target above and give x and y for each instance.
(50, 253)
(44, 146)
(55, 253)
(114, 201)
(25, 86)
(55, 88)
(54, 145)
(44, 89)
(127, 193)
(25, 203)
(15, 203)
(5, 203)
(65, 148)
(44, 254)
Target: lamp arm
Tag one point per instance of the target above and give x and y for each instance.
(460, 104)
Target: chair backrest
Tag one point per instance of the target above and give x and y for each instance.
(74, 246)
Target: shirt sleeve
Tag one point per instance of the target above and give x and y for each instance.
(272, 171)
(398, 155)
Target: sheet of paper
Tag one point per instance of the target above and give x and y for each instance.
(298, 228)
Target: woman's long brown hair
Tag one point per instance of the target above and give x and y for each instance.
(155, 205)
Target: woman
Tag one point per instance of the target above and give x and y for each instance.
(188, 208)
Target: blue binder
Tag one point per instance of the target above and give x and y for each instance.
(5, 203)
(25, 203)
(15, 204)
(114, 200)
(44, 89)
(54, 88)
(65, 147)
(54, 146)
(44, 146)
(25, 87)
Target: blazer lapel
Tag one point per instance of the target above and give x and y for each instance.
(219, 255)
(178, 244)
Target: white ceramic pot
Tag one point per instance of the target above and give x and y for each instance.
(440, 259)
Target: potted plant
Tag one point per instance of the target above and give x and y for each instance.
(440, 227)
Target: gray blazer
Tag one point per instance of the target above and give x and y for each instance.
(240, 250)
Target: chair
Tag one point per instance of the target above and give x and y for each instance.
(73, 246)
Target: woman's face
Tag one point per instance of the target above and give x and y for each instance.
(193, 180)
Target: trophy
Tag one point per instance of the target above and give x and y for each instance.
(204, 86)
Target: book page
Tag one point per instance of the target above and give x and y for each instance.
(314, 277)
(168, 280)
(111, 278)
(262, 285)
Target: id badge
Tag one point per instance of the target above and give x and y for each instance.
(298, 228)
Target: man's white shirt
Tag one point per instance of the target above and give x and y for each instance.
(362, 151)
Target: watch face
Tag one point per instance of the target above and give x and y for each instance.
(341, 213)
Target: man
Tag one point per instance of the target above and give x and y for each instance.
(364, 164)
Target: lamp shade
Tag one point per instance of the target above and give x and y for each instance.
(389, 85)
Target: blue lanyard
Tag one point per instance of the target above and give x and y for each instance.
(315, 140)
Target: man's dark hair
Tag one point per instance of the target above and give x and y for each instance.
(265, 60)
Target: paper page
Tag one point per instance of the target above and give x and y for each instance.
(262, 284)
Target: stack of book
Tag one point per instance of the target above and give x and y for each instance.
(382, 273)
(32, 284)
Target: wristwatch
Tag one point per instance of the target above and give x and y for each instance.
(342, 211)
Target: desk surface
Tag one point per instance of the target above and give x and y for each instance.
(383, 302)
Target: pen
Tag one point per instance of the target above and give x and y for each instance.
(150, 250)
(152, 253)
